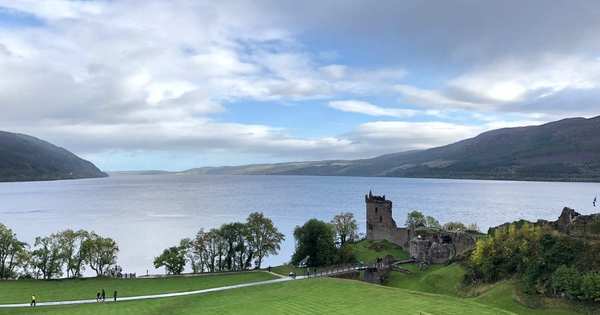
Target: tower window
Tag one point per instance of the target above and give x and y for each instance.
(380, 219)
(375, 210)
(370, 226)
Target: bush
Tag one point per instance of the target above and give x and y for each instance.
(547, 262)
(590, 286)
(566, 280)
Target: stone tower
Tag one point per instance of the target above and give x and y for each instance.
(381, 224)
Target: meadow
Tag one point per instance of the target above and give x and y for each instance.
(20, 291)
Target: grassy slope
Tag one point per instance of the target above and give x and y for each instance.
(20, 291)
(436, 279)
(368, 251)
(447, 280)
(318, 296)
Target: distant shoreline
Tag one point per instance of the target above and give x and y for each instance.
(529, 179)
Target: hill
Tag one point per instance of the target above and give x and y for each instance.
(26, 158)
(565, 150)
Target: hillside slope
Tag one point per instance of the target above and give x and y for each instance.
(25, 158)
(568, 150)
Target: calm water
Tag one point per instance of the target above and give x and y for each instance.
(147, 213)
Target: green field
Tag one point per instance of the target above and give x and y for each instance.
(314, 296)
(20, 291)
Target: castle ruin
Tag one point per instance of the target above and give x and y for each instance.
(424, 245)
(381, 224)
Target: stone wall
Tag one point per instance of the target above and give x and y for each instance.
(439, 247)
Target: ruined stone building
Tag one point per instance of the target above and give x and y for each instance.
(381, 224)
(424, 245)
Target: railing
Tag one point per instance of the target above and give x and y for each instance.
(341, 269)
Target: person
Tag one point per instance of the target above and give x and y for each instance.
(115, 296)
(269, 268)
(97, 296)
(32, 300)
(595, 199)
(103, 295)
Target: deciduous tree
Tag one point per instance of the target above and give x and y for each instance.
(315, 239)
(263, 236)
(345, 226)
(10, 249)
(100, 253)
(173, 259)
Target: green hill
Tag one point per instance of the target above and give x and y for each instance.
(25, 158)
(567, 150)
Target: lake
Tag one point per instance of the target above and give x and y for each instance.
(147, 213)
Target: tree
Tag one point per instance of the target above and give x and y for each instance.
(72, 250)
(415, 219)
(193, 252)
(237, 252)
(454, 226)
(100, 253)
(46, 256)
(315, 239)
(345, 226)
(432, 223)
(10, 249)
(173, 259)
(263, 237)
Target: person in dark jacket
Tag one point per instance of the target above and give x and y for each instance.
(115, 296)
(103, 295)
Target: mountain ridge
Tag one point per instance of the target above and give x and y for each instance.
(563, 150)
(27, 158)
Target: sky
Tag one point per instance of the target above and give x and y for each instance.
(134, 85)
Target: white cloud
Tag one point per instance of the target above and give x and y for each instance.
(148, 75)
(430, 98)
(399, 136)
(518, 86)
(151, 75)
(362, 107)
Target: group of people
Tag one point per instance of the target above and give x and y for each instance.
(101, 296)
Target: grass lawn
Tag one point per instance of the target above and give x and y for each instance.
(315, 296)
(19, 291)
(446, 280)
(368, 251)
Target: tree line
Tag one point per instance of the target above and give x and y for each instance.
(66, 252)
(232, 247)
(416, 219)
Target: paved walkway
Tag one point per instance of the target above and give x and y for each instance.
(174, 294)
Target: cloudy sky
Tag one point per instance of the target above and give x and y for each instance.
(180, 84)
